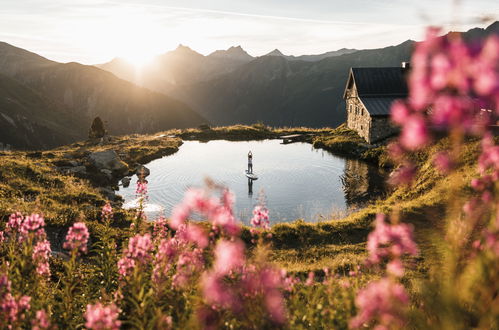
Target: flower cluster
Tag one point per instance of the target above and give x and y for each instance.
(138, 252)
(452, 86)
(218, 211)
(260, 217)
(12, 309)
(41, 321)
(390, 242)
(107, 211)
(100, 317)
(77, 238)
(40, 257)
(382, 302)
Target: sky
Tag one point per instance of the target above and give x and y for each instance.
(95, 31)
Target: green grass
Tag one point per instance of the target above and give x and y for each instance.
(30, 183)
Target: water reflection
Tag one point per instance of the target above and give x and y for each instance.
(250, 187)
(298, 181)
(361, 183)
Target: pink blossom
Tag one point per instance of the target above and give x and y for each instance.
(107, 211)
(310, 279)
(390, 241)
(15, 221)
(275, 306)
(77, 238)
(33, 223)
(41, 321)
(125, 266)
(228, 256)
(395, 268)
(415, 134)
(399, 112)
(260, 217)
(139, 247)
(141, 188)
(215, 292)
(403, 175)
(381, 302)
(40, 257)
(102, 317)
(14, 309)
(197, 235)
(443, 162)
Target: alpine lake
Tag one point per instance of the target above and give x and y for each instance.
(295, 181)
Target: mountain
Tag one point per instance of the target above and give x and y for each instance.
(311, 58)
(318, 57)
(233, 53)
(57, 102)
(282, 92)
(185, 66)
(178, 67)
(278, 91)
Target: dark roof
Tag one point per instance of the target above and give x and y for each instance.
(379, 81)
(378, 106)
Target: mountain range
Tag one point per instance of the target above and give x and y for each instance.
(45, 103)
(230, 86)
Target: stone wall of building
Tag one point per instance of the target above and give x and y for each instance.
(381, 128)
(358, 118)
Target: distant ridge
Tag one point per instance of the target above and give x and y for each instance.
(45, 103)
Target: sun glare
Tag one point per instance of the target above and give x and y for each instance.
(132, 38)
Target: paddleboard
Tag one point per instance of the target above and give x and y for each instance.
(251, 176)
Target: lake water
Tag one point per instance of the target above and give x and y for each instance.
(296, 180)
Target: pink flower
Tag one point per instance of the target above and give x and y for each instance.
(40, 257)
(15, 221)
(382, 303)
(310, 279)
(197, 235)
(107, 211)
(260, 217)
(139, 247)
(403, 175)
(399, 112)
(141, 188)
(77, 238)
(275, 306)
(415, 134)
(390, 241)
(443, 162)
(215, 292)
(228, 256)
(33, 223)
(41, 321)
(125, 266)
(102, 317)
(14, 309)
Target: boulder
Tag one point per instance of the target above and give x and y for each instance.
(142, 171)
(107, 160)
(76, 170)
(107, 173)
(126, 181)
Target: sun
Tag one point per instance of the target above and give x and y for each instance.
(133, 37)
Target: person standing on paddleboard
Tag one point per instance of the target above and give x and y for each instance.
(250, 162)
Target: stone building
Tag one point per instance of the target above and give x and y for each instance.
(368, 95)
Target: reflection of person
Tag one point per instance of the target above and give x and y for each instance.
(250, 187)
(250, 162)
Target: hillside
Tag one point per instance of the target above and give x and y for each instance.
(78, 93)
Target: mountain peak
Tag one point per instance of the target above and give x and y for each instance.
(184, 50)
(234, 52)
(275, 52)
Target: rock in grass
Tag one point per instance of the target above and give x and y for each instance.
(107, 160)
